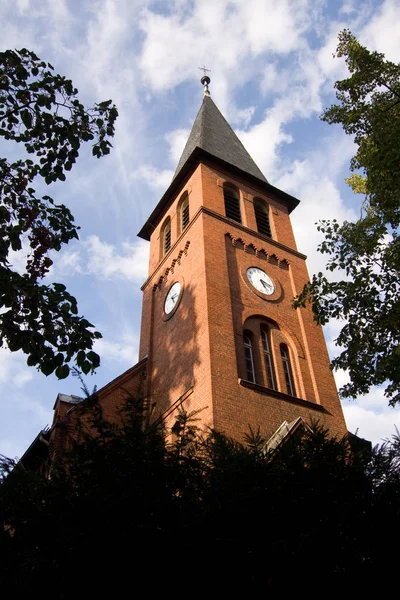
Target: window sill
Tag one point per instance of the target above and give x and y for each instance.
(292, 399)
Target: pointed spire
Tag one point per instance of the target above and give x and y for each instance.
(212, 134)
(213, 137)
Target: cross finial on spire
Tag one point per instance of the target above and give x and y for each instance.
(205, 70)
(205, 80)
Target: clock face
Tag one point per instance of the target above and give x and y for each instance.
(172, 297)
(260, 280)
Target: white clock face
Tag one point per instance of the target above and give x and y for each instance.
(172, 297)
(260, 280)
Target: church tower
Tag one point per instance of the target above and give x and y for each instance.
(219, 333)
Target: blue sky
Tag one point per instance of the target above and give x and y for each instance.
(272, 74)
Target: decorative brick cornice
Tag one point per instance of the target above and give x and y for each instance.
(170, 269)
(240, 243)
(252, 232)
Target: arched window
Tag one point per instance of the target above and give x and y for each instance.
(269, 365)
(166, 236)
(248, 353)
(184, 213)
(262, 218)
(232, 203)
(287, 369)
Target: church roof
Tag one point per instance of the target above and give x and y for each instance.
(212, 138)
(213, 134)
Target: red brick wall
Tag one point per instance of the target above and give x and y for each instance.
(201, 345)
(196, 356)
(71, 419)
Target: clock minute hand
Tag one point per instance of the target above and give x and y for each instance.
(265, 284)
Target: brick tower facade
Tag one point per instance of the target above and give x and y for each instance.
(218, 334)
(218, 329)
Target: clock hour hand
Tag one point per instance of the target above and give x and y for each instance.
(265, 284)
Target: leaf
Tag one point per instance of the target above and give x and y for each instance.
(46, 317)
(86, 367)
(94, 358)
(32, 360)
(26, 117)
(47, 367)
(62, 372)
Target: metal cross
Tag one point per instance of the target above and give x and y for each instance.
(204, 69)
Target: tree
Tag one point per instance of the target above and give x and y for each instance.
(367, 300)
(40, 111)
(129, 507)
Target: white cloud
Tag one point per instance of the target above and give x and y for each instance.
(162, 65)
(67, 262)
(370, 416)
(382, 32)
(333, 68)
(349, 7)
(176, 140)
(23, 5)
(13, 368)
(277, 27)
(176, 44)
(125, 350)
(245, 115)
(103, 260)
(154, 178)
(375, 424)
(17, 260)
(314, 181)
(263, 140)
(274, 79)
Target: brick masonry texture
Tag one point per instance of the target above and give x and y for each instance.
(194, 357)
(201, 346)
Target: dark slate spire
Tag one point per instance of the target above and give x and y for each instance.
(213, 138)
(213, 134)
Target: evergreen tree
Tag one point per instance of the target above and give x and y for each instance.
(200, 513)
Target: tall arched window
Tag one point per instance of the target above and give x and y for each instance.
(232, 203)
(262, 218)
(269, 365)
(166, 236)
(184, 212)
(248, 353)
(287, 369)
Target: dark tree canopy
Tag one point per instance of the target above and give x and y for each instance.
(130, 509)
(40, 111)
(367, 301)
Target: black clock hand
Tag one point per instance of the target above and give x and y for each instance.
(265, 284)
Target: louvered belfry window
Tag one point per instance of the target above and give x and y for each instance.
(232, 204)
(185, 216)
(262, 218)
(167, 236)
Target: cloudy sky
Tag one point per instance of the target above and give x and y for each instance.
(272, 75)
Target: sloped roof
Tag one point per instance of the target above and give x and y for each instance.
(212, 138)
(213, 134)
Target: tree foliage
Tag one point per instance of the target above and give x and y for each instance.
(128, 508)
(367, 300)
(41, 113)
